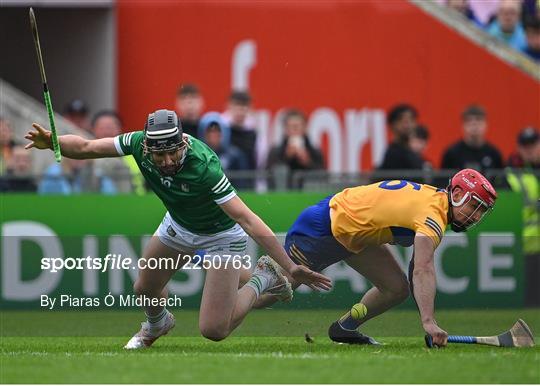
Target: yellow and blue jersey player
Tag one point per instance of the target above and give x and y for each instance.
(355, 224)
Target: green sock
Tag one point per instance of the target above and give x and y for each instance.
(258, 283)
(157, 320)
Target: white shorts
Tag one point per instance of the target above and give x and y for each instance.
(232, 241)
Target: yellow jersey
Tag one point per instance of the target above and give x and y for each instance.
(388, 212)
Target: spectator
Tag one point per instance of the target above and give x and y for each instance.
(215, 132)
(124, 170)
(106, 124)
(74, 176)
(418, 143)
(532, 31)
(484, 10)
(523, 177)
(530, 9)
(528, 151)
(243, 132)
(473, 151)
(18, 177)
(189, 106)
(6, 143)
(508, 26)
(76, 112)
(402, 121)
(462, 7)
(295, 151)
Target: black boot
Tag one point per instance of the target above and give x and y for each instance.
(340, 335)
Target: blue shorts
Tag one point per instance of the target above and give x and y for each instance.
(310, 241)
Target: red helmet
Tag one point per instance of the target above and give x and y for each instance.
(478, 198)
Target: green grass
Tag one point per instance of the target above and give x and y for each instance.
(85, 347)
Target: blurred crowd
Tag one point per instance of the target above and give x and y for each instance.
(516, 22)
(232, 134)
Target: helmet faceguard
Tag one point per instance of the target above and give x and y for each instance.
(477, 199)
(163, 134)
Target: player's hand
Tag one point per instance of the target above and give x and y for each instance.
(314, 280)
(41, 138)
(439, 336)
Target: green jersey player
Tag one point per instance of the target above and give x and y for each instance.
(203, 213)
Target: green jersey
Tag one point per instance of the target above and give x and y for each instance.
(193, 194)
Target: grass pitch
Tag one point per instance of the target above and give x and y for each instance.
(86, 347)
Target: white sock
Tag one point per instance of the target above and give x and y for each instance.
(258, 283)
(158, 320)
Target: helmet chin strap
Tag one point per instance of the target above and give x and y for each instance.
(171, 174)
(457, 227)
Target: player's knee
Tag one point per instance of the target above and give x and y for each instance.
(214, 332)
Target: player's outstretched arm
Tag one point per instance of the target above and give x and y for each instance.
(263, 235)
(424, 287)
(72, 146)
